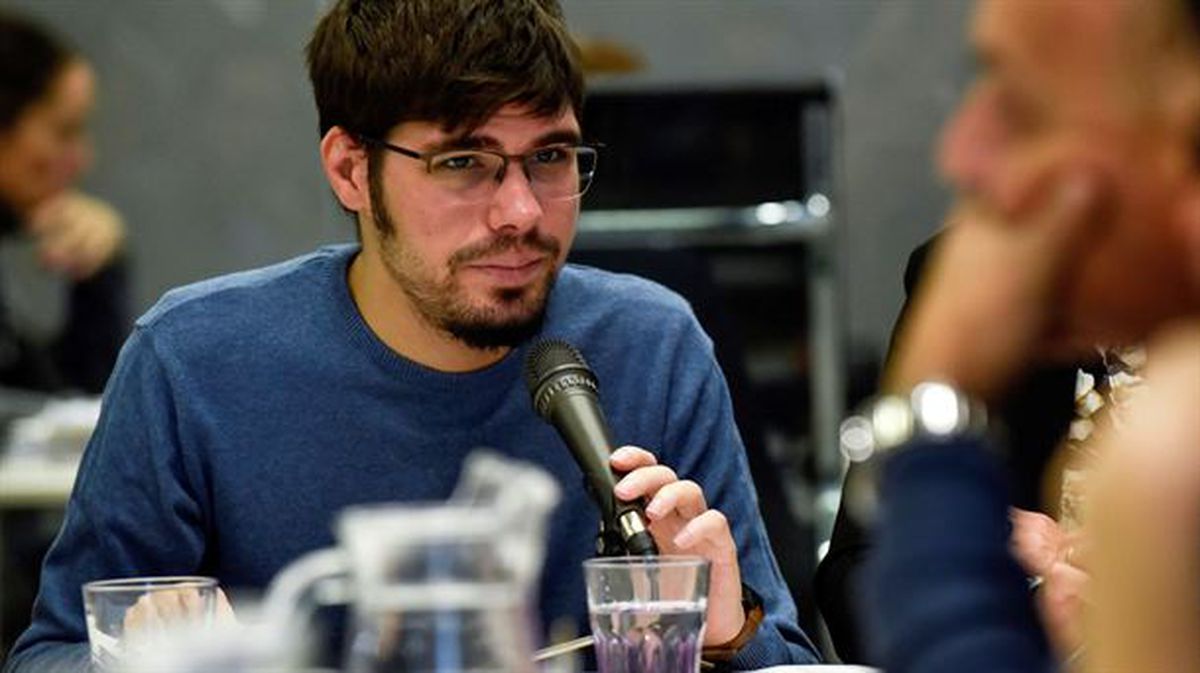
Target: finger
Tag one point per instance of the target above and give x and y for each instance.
(169, 605)
(47, 217)
(225, 614)
(1069, 217)
(191, 603)
(684, 498)
(77, 256)
(139, 615)
(1022, 185)
(98, 243)
(147, 616)
(710, 528)
(60, 249)
(629, 458)
(644, 481)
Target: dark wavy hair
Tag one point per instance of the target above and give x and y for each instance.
(376, 63)
(30, 59)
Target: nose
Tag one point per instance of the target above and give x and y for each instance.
(971, 144)
(514, 206)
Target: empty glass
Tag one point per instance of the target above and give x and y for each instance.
(128, 615)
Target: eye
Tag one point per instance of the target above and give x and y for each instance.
(451, 163)
(551, 155)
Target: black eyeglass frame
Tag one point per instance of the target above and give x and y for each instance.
(428, 157)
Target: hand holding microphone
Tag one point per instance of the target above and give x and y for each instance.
(676, 518)
(566, 394)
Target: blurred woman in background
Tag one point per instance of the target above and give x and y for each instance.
(46, 97)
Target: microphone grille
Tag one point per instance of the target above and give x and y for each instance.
(549, 355)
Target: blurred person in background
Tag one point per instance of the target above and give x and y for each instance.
(47, 93)
(46, 96)
(1077, 163)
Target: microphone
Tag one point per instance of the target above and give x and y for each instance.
(566, 394)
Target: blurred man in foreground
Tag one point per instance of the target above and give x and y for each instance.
(246, 411)
(1076, 159)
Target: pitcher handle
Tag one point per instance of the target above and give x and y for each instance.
(317, 579)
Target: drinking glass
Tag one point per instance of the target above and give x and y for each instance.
(125, 615)
(647, 612)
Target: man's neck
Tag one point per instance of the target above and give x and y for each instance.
(392, 317)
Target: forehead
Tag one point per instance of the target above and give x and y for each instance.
(1070, 47)
(513, 126)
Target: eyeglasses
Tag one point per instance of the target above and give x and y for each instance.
(558, 172)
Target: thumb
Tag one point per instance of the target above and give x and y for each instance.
(1069, 217)
(225, 613)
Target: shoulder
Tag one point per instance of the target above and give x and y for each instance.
(598, 294)
(627, 322)
(233, 316)
(247, 294)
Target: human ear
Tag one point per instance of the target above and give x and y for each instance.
(344, 161)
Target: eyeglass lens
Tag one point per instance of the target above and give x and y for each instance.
(554, 173)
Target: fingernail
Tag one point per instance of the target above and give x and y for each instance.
(620, 454)
(655, 510)
(622, 490)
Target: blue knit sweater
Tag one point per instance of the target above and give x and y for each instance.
(246, 411)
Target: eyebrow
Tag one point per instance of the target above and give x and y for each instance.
(480, 142)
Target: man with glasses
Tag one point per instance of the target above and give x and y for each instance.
(246, 411)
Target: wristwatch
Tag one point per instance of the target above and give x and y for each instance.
(752, 606)
(932, 410)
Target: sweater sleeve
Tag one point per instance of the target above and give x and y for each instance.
(134, 510)
(705, 446)
(943, 594)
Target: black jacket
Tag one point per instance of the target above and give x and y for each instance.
(1036, 415)
(82, 354)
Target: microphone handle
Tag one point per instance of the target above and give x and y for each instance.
(578, 418)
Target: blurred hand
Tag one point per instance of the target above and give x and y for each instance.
(160, 610)
(682, 523)
(1060, 602)
(986, 308)
(1044, 550)
(76, 235)
(1037, 541)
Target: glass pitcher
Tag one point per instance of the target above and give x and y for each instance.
(436, 588)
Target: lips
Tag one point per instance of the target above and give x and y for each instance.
(509, 270)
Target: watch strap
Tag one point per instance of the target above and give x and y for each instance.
(752, 606)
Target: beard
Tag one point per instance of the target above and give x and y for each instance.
(510, 317)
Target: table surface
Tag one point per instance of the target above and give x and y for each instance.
(821, 668)
(36, 483)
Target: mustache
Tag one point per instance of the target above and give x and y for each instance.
(531, 240)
